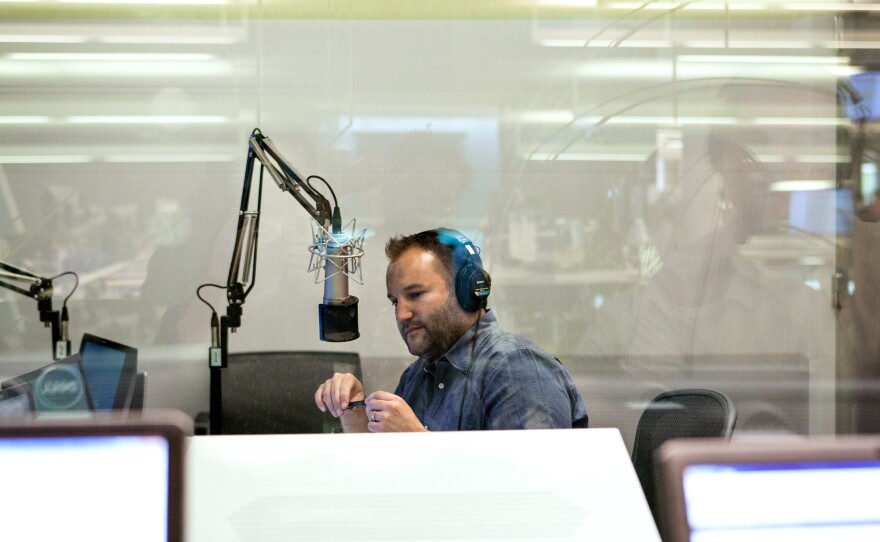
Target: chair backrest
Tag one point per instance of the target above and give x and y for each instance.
(688, 413)
(273, 392)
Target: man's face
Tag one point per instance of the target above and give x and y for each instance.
(428, 316)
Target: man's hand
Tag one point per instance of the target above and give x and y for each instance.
(338, 392)
(390, 413)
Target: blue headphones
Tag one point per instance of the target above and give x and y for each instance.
(472, 283)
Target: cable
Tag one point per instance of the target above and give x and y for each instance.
(202, 299)
(75, 285)
(323, 180)
(469, 369)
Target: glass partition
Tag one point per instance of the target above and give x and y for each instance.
(667, 194)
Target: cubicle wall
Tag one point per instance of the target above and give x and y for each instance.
(665, 193)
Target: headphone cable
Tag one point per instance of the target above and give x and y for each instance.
(467, 372)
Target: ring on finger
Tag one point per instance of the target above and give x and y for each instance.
(373, 416)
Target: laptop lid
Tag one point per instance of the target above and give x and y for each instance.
(57, 387)
(103, 479)
(817, 489)
(110, 369)
(17, 401)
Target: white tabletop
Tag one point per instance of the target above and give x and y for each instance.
(493, 485)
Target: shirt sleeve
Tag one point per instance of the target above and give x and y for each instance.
(524, 389)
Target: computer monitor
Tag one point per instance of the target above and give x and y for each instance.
(110, 370)
(102, 479)
(817, 489)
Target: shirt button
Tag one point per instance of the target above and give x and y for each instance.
(440, 385)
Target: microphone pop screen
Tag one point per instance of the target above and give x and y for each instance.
(339, 323)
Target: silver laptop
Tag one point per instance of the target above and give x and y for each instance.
(102, 479)
(809, 489)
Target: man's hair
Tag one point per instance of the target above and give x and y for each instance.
(426, 240)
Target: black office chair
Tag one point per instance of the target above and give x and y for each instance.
(273, 392)
(689, 413)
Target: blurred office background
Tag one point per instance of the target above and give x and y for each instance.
(667, 194)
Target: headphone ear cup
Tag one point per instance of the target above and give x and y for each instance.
(469, 279)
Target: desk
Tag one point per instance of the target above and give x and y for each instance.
(492, 485)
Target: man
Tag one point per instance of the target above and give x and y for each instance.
(469, 373)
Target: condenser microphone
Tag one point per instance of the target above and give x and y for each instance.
(337, 315)
(339, 255)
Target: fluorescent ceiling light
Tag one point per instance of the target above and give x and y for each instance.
(403, 123)
(23, 119)
(38, 38)
(801, 186)
(725, 6)
(168, 158)
(546, 117)
(822, 159)
(566, 117)
(746, 44)
(667, 70)
(164, 57)
(843, 71)
(144, 119)
(796, 121)
(764, 59)
(629, 44)
(568, 3)
(552, 42)
(35, 69)
(46, 159)
(852, 44)
(771, 158)
(587, 157)
(171, 40)
(707, 44)
(150, 2)
(673, 121)
(825, 6)
(693, 6)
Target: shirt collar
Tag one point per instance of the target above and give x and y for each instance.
(459, 356)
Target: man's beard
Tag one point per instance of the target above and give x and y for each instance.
(440, 332)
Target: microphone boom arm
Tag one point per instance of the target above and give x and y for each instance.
(262, 150)
(340, 256)
(288, 180)
(40, 289)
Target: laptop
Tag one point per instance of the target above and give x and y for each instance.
(57, 387)
(17, 401)
(816, 489)
(102, 479)
(110, 369)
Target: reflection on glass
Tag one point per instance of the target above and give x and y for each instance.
(664, 191)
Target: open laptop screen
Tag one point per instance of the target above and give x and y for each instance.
(91, 480)
(810, 489)
(110, 370)
(821, 500)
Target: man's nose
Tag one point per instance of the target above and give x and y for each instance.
(402, 311)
